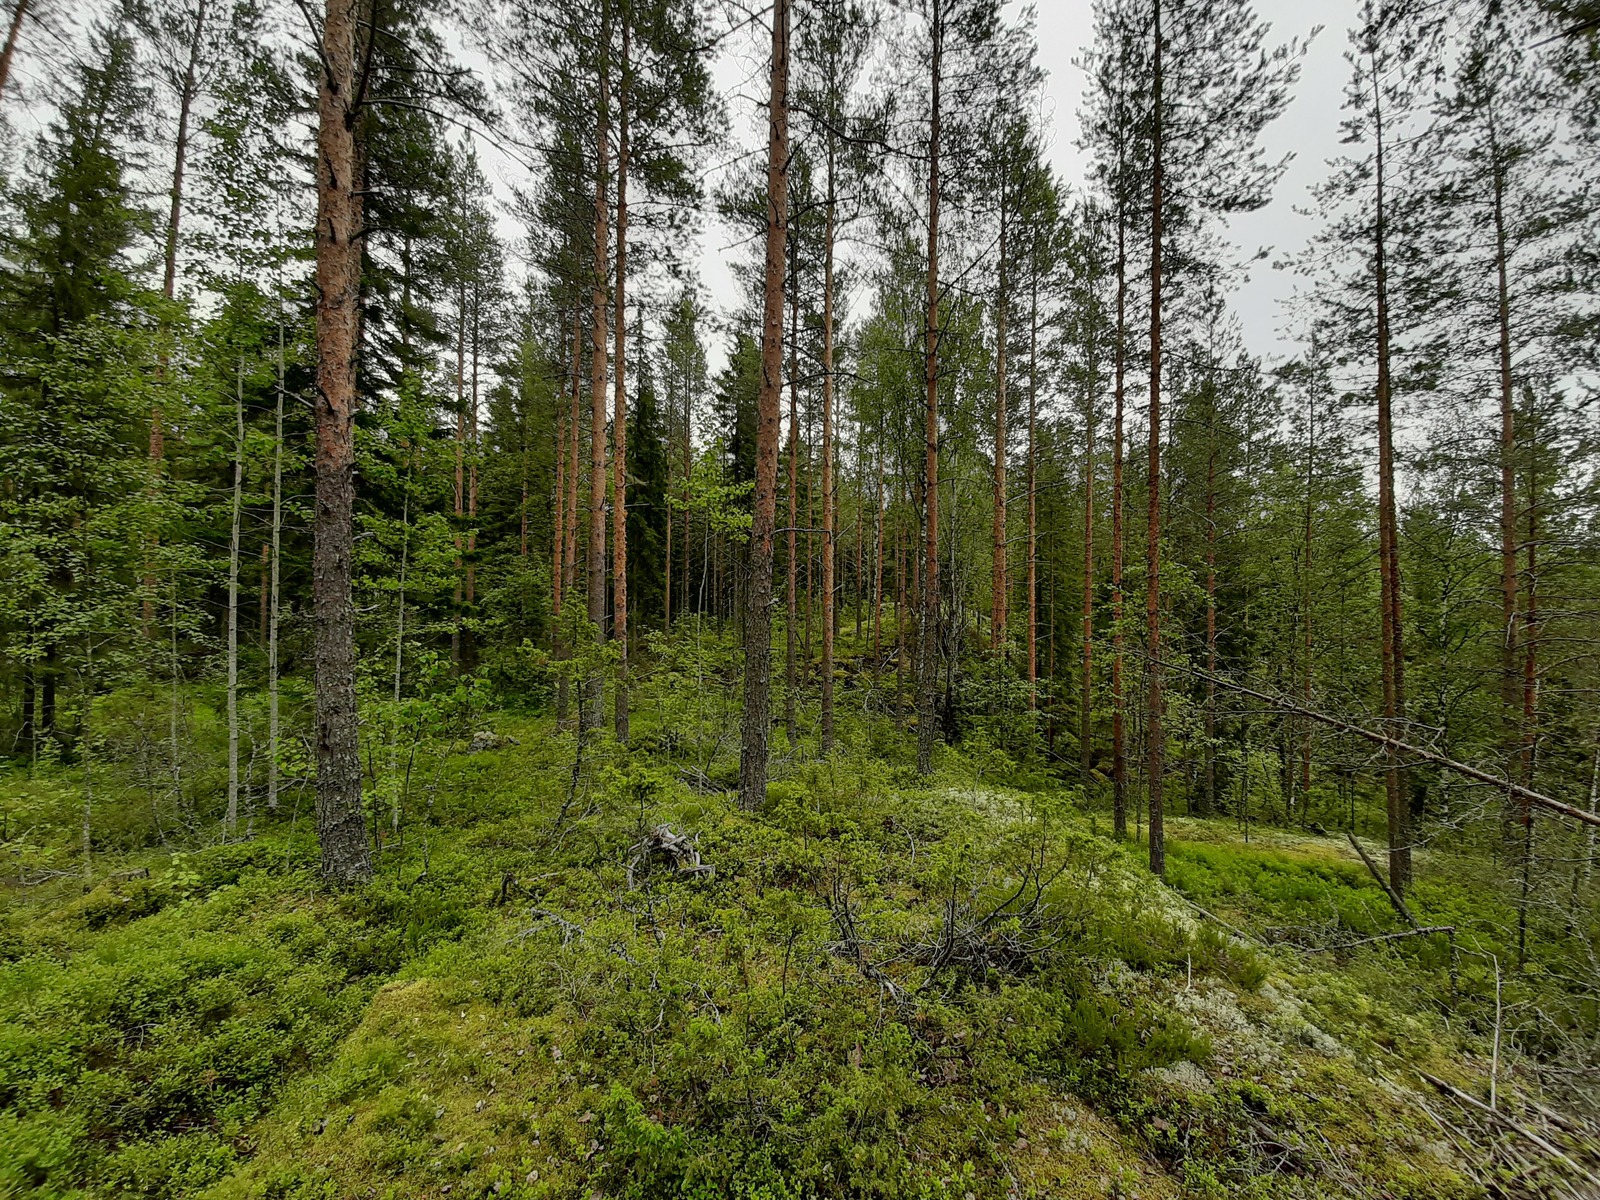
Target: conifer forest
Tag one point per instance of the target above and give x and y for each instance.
(788, 599)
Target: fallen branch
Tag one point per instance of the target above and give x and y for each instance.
(1494, 1114)
(1510, 787)
(661, 842)
(569, 929)
(1388, 888)
(1382, 937)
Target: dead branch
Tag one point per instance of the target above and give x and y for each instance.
(1382, 937)
(676, 848)
(1510, 787)
(1388, 888)
(569, 929)
(1494, 1114)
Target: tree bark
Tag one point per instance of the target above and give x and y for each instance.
(1086, 699)
(1156, 707)
(758, 593)
(1508, 490)
(346, 856)
(928, 634)
(12, 33)
(1388, 537)
(169, 278)
(1033, 480)
(277, 560)
(827, 474)
(592, 711)
(230, 824)
(999, 583)
(619, 423)
(791, 682)
(1119, 744)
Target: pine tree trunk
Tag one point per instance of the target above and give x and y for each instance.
(567, 532)
(1119, 742)
(928, 633)
(1033, 482)
(1086, 699)
(1508, 491)
(12, 33)
(999, 582)
(1388, 550)
(277, 569)
(468, 645)
(791, 683)
(592, 711)
(346, 856)
(230, 823)
(1530, 715)
(758, 594)
(461, 466)
(619, 423)
(1156, 708)
(827, 474)
(169, 277)
(1209, 791)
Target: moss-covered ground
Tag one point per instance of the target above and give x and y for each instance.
(890, 987)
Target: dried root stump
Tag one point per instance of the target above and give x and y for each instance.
(676, 848)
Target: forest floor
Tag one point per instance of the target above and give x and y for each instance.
(887, 986)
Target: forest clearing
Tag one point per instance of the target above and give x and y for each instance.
(638, 598)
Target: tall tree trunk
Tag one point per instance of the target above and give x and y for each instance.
(346, 856)
(827, 474)
(1119, 743)
(1209, 791)
(764, 506)
(1388, 549)
(791, 683)
(1308, 645)
(1033, 479)
(277, 568)
(169, 278)
(460, 509)
(1086, 699)
(567, 533)
(12, 33)
(1508, 491)
(877, 572)
(592, 711)
(230, 824)
(619, 422)
(928, 634)
(1156, 709)
(1000, 583)
(468, 645)
(1530, 714)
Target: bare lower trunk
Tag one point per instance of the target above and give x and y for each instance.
(1033, 484)
(791, 683)
(1388, 554)
(1155, 736)
(928, 635)
(1086, 698)
(346, 856)
(592, 710)
(273, 601)
(1119, 750)
(230, 824)
(758, 592)
(619, 423)
(827, 477)
(1000, 582)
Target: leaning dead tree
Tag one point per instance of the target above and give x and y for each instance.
(1513, 789)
